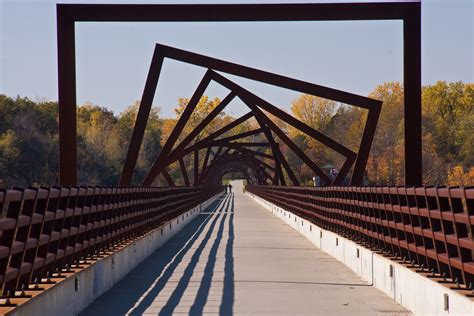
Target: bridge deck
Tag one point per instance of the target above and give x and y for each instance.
(236, 257)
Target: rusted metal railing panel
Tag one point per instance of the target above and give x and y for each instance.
(46, 231)
(429, 227)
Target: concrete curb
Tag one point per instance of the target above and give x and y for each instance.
(415, 292)
(75, 293)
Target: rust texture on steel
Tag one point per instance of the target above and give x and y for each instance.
(48, 231)
(407, 12)
(258, 109)
(429, 228)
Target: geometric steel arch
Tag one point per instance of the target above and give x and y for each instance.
(257, 107)
(409, 13)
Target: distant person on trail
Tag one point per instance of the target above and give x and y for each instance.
(230, 188)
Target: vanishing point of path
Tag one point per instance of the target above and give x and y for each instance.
(237, 258)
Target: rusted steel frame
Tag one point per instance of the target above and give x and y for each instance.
(238, 144)
(278, 156)
(445, 242)
(239, 136)
(255, 159)
(382, 244)
(104, 218)
(215, 157)
(217, 154)
(242, 157)
(394, 216)
(29, 211)
(196, 167)
(275, 150)
(60, 250)
(184, 172)
(167, 177)
(222, 169)
(457, 234)
(466, 211)
(402, 198)
(160, 161)
(74, 240)
(287, 167)
(412, 95)
(44, 195)
(266, 175)
(223, 159)
(198, 129)
(345, 197)
(57, 194)
(98, 218)
(360, 211)
(369, 211)
(396, 209)
(275, 128)
(352, 212)
(250, 151)
(219, 165)
(207, 140)
(352, 199)
(388, 219)
(71, 216)
(432, 227)
(142, 118)
(460, 268)
(205, 163)
(94, 220)
(365, 146)
(278, 174)
(409, 13)
(424, 238)
(14, 213)
(255, 103)
(83, 236)
(108, 214)
(329, 206)
(79, 225)
(206, 160)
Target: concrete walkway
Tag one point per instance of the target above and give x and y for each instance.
(238, 258)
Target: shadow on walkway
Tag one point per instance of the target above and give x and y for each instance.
(137, 291)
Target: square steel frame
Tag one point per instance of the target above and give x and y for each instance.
(408, 12)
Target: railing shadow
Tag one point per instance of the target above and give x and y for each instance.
(205, 284)
(228, 293)
(227, 299)
(136, 291)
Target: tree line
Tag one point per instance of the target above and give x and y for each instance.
(29, 137)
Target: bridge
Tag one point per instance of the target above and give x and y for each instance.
(236, 257)
(273, 245)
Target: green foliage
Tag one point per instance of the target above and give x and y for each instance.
(448, 138)
(29, 137)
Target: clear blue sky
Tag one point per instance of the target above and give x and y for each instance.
(113, 58)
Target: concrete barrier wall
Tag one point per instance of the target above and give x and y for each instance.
(64, 299)
(414, 291)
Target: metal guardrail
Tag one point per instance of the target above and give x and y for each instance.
(44, 231)
(429, 227)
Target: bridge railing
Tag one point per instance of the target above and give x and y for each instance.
(44, 231)
(429, 227)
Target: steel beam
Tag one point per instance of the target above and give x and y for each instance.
(160, 161)
(142, 118)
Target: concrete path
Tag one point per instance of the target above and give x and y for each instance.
(238, 258)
